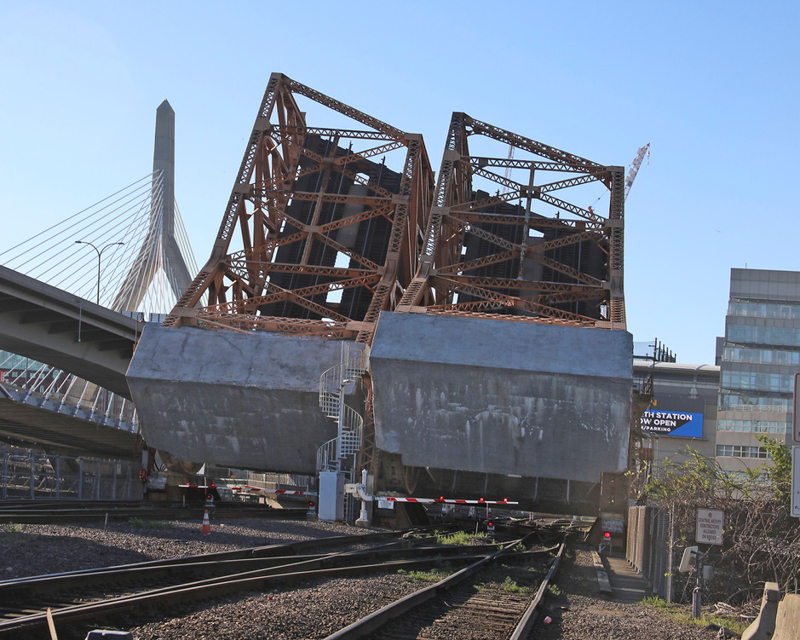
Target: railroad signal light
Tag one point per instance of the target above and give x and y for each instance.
(605, 544)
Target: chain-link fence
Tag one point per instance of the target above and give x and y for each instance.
(281, 481)
(33, 475)
(648, 547)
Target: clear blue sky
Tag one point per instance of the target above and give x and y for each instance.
(713, 87)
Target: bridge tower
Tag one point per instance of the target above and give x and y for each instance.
(87, 347)
(160, 248)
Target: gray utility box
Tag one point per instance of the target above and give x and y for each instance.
(331, 496)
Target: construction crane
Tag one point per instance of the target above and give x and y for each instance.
(510, 158)
(633, 169)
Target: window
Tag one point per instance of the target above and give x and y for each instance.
(755, 380)
(786, 336)
(741, 451)
(761, 356)
(745, 309)
(753, 426)
(732, 401)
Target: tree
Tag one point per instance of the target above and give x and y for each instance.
(780, 474)
(761, 540)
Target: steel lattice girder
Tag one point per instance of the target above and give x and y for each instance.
(289, 204)
(479, 258)
(315, 216)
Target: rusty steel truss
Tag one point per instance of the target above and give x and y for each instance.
(528, 252)
(329, 231)
(329, 236)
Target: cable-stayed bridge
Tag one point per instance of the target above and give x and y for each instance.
(74, 299)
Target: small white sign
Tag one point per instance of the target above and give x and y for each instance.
(612, 524)
(383, 503)
(796, 482)
(709, 526)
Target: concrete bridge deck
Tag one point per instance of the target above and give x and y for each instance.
(49, 325)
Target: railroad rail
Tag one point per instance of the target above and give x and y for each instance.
(40, 512)
(77, 598)
(457, 605)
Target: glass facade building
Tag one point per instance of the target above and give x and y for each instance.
(759, 357)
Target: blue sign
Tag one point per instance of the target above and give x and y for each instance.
(672, 423)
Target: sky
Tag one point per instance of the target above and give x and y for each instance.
(712, 86)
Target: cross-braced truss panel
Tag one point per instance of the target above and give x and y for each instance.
(510, 235)
(330, 224)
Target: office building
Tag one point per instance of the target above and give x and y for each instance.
(759, 357)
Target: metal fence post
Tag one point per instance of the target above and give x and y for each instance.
(80, 479)
(97, 482)
(33, 470)
(670, 576)
(58, 477)
(5, 474)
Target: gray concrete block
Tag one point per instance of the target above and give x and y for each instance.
(494, 396)
(763, 627)
(244, 400)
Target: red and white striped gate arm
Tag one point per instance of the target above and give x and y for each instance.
(446, 500)
(279, 492)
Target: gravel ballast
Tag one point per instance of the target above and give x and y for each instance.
(579, 611)
(310, 610)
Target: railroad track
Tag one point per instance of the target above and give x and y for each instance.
(460, 606)
(77, 598)
(82, 511)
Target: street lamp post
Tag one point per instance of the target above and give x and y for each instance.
(99, 256)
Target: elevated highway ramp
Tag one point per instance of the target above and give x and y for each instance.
(73, 433)
(47, 324)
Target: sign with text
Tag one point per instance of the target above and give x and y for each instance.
(709, 526)
(795, 482)
(795, 420)
(680, 424)
(612, 523)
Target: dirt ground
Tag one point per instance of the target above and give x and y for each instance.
(579, 611)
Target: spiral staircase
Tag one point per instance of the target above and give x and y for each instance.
(340, 453)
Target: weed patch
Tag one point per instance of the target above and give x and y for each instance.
(679, 613)
(433, 575)
(461, 538)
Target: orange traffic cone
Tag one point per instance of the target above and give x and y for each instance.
(206, 524)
